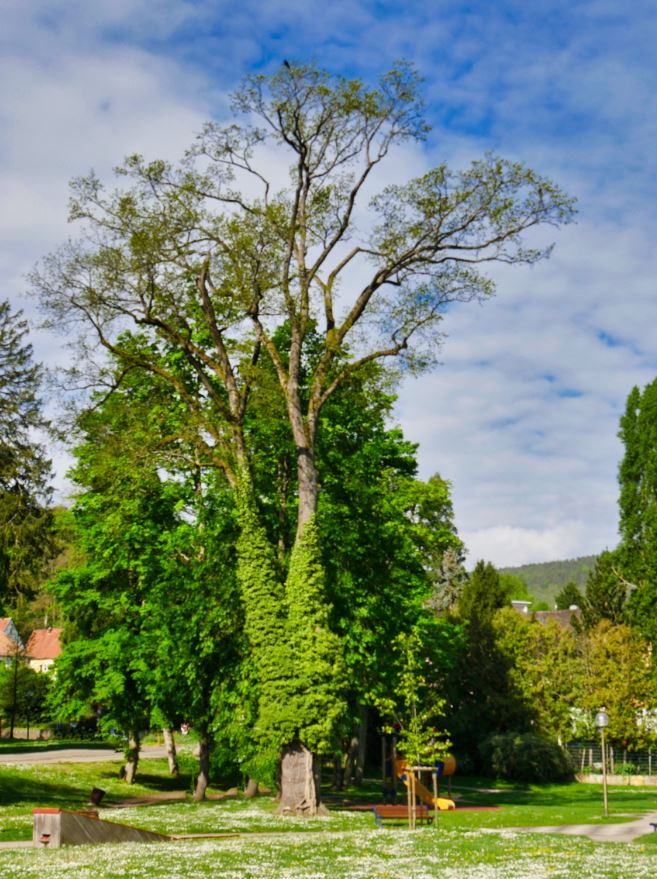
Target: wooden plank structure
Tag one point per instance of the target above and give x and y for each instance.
(399, 812)
(56, 827)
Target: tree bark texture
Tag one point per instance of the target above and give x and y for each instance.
(308, 485)
(338, 772)
(299, 782)
(170, 745)
(362, 744)
(350, 762)
(132, 757)
(203, 778)
(251, 789)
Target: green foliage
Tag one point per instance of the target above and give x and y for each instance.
(545, 670)
(514, 587)
(637, 476)
(151, 608)
(481, 687)
(526, 757)
(448, 582)
(416, 706)
(483, 594)
(620, 676)
(24, 692)
(569, 596)
(604, 598)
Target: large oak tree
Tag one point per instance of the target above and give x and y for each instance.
(211, 255)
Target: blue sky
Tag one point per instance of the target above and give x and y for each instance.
(523, 413)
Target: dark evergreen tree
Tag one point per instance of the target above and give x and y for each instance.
(24, 468)
(483, 594)
(569, 596)
(483, 697)
(604, 597)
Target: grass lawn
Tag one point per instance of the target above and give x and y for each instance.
(345, 845)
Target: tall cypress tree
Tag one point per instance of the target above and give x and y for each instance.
(638, 507)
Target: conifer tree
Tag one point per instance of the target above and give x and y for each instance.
(25, 471)
(637, 552)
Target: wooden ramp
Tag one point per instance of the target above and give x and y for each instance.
(56, 827)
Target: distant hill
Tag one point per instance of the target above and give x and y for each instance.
(545, 580)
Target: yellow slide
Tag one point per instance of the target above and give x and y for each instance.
(443, 803)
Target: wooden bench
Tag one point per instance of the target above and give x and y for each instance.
(400, 813)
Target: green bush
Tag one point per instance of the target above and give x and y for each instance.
(526, 757)
(626, 769)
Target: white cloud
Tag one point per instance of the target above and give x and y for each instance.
(523, 415)
(509, 547)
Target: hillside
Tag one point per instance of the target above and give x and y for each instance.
(545, 580)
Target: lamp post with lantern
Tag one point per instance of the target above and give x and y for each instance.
(602, 722)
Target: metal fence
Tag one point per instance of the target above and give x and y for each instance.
(587, 757)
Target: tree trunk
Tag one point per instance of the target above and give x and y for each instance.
(14, 698)
(338, 773)
(350, 764)
(132, 758)
(362, 744)
(251, 788)
(203, 767)
(170, 744)
(308, 485)
(299, 782)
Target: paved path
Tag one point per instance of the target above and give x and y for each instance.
(77, 755)
(626, 832)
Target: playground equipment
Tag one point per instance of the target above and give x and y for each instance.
(411, 777)
(396, 768)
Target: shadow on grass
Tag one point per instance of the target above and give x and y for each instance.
(154, 783)
(33, 793)
(69, 786)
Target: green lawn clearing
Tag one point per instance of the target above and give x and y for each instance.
(361, 854)
(465, 844)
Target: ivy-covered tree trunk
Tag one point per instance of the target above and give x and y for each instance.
(313, 687)
(296, 657)
(262, 594)
(203, 778)
(170, 745)
(132, 757)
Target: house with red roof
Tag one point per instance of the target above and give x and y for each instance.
(43, 648)
(11, 642)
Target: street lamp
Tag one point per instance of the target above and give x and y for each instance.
(602, 722)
